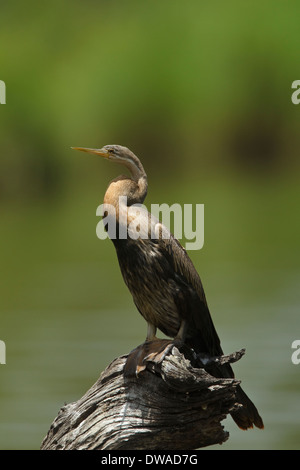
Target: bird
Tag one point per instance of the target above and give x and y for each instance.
(161, 277)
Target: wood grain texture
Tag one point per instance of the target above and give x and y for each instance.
(169, 406)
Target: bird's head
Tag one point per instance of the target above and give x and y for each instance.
(124, 156)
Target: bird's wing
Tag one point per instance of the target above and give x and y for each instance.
(190, 297)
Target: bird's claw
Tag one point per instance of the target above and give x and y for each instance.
(153, 351)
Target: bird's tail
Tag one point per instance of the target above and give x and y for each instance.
(246, 415)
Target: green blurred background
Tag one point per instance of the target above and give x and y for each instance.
(201, 92)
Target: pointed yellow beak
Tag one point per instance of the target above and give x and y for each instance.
(102, 152)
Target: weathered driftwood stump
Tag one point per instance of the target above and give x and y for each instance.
(169, 406)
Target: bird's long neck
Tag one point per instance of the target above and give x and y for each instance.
(135, 168)
(121, 196)
(142, 184)
(124, 192)
(135, 192)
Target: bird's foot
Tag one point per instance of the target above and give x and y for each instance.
(150, 351)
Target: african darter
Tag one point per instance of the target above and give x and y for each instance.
(160, 275)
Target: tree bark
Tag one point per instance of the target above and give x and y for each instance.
(168, 406)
